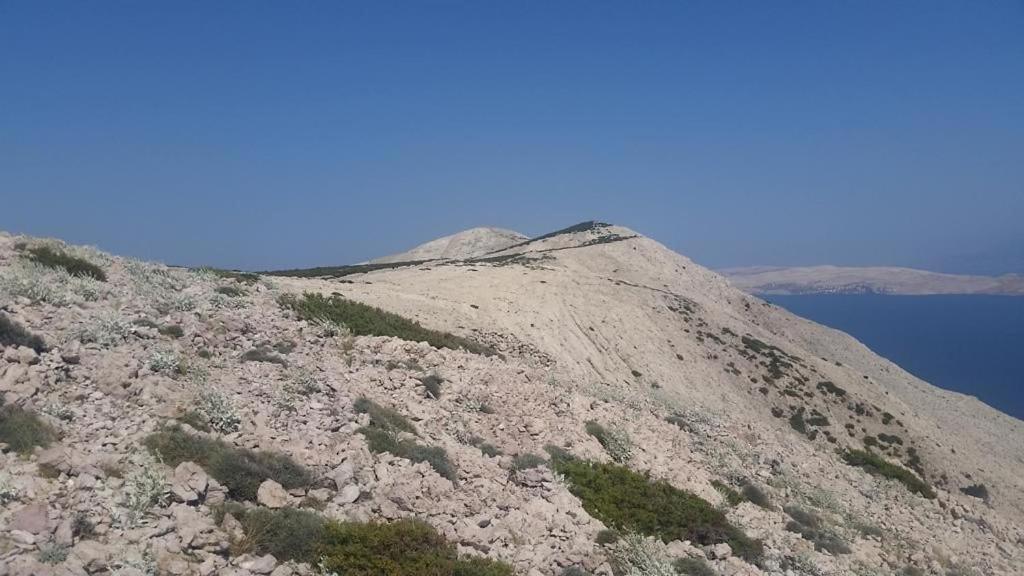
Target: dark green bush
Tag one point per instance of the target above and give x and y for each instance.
(755, 495)
(401, 548)
(288, 533)
(364, 320)
(732, 497)
(693, 567)
(71, 264)
(172, 330)
(263, 355)
(14, 334)
(605, 537)
(380, 440)
(830, 388)
(526, 461)
(878, 466)
(240, 470)
(574, 571)
(383, 417)
(22, 430)
(626, 500)
(977, 491)
(432, 382)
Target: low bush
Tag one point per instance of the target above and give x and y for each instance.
(73, 265)
(263, 355)
(287, 533)
(401, 548)
(756, 496)
(732, 497)
(606, 537)
(240, 470)
(977, 491)
(230, 291)
(14, 334)
(364, 320)
(380, 441)
(635, 555)
(172, 330)
(811, 528)
(432, 382)
(526, 461)
(694, 567)
(22, 430)
(383, 417)
(629, 501)
(878, 466)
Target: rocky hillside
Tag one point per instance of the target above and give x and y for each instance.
(585, 402)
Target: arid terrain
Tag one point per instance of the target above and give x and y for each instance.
(585, 402)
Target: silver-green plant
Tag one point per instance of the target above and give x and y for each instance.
(107, 330)
(218, 411)
(144, 487)
(58, 411)
(164, 361)
(8, 491)
(52, 553)
(635, 555)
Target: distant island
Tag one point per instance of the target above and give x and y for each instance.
(867, 280)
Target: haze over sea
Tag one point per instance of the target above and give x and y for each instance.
(970, 344)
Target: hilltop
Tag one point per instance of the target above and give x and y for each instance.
(460, 246)
(545, 405)
(868, 280)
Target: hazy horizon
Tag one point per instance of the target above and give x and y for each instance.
(738, 133)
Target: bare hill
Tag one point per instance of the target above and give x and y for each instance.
(462, 245)
(585, 380)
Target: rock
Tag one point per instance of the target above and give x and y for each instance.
(262, 565)
(64, 535)
(71, 354)
(232, 527)
(27, 356)
(55, 458)
(272, 495)
(719, 551)
(343, 474)
(189, 482)
(22, 538)
(31, 518)
(349, 494)
(93, 556)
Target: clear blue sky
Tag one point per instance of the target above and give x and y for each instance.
(271, 134)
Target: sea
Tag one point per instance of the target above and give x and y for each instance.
(970, 344)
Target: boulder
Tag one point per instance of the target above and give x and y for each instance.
(272, 495)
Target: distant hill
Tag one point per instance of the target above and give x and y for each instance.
(466, 244)
(868, 280)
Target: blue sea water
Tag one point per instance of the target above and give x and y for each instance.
(970, 344)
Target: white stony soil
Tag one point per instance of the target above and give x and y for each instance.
(624, 332)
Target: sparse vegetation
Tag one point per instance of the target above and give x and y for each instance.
(144, 488)
(230, 291)
(165, 362)
(364, 320)
(51, 258)
(217, 412)
(52, 553)
(383, 435)
(812, 528)
(22, 430)
(614, 440)
(240, 470)
(288, 533)
(635, 555)
(629, 501)
(107, 330)
(432, 384)
(241, 277)
(827, 387)
(878, 466)
(525, 461)
(732, 497)
(976, 491)
(14, 334)
(383, 417)
(756, 496)
(172, 330)
(694, 567)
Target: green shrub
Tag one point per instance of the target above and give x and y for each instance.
(811, 528)
(629, 501)
(288, 533)
(14, 334)
(240, 470)
(73, 265)
(22, 430)
(432, 382)
(263, 355)
(977, 491)
(364, 320)
(526, 461)
(574, 571)
(732, 497)
(796, 421)
(827, 387)
(401, 548)
(606, 537)
(380, 441)
(615, 441)
(693, 567)
(230, 291)
(755, 495)
(383, 417)
(172, 330)
(878, 466)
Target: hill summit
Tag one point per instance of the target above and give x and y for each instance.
(582, 402)
(460, 246)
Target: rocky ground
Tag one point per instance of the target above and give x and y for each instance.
(699, 382)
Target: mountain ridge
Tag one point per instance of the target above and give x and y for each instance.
(828, 279)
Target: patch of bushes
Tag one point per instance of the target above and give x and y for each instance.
(811, 528)
(615, 441)
(22, 430)
(629, 501)
(878, 466)
(732, 497)
(401, 548)
(756, 496)
(73, 265)
(287, 533)
(432, 382)
(383, 417)
(693, 567)
(230, 291)
(606, 537)
(172, 330)
(382, 435)
(364, 320)
(828, 387)
(239, 469)
(262, 354)
(977, 491)
(526, 461)
(14, 334)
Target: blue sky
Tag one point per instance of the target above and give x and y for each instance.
(280, 134)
